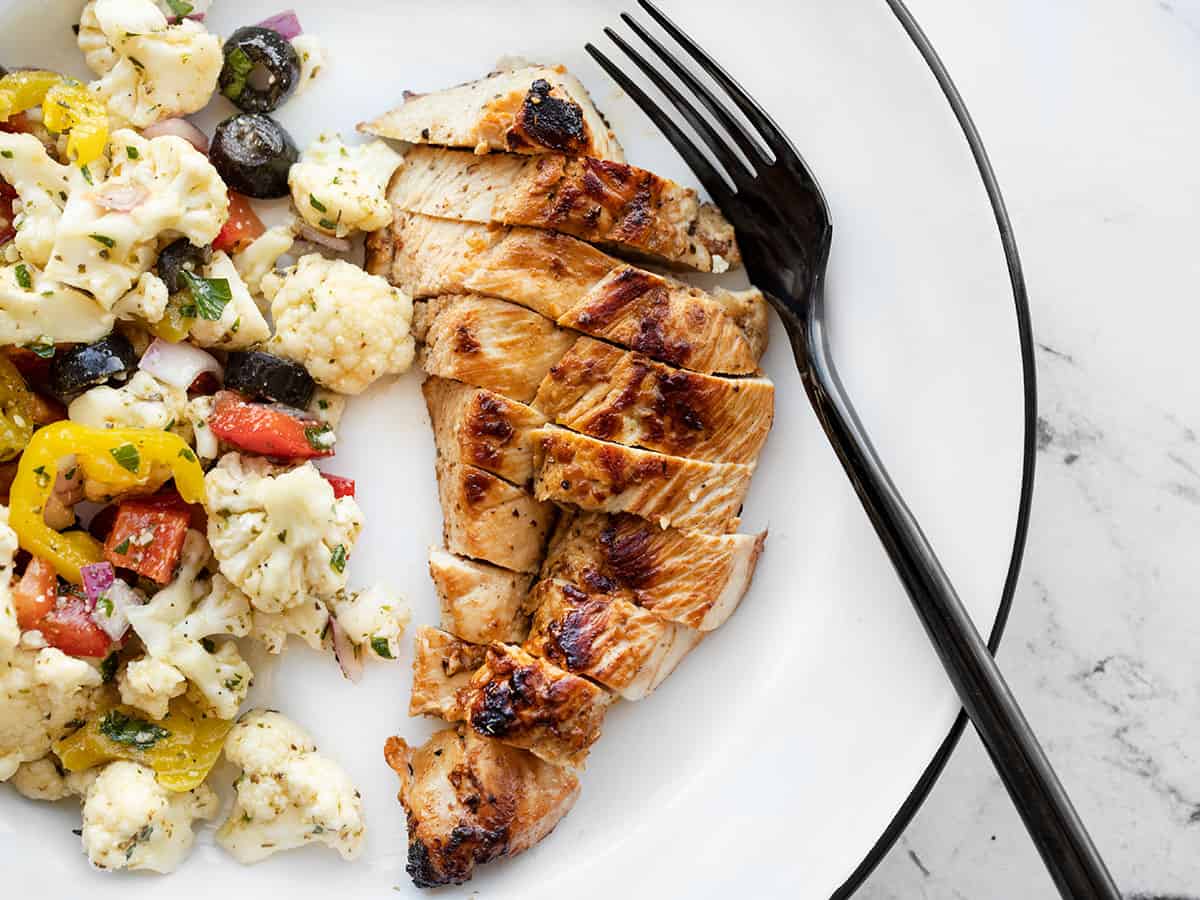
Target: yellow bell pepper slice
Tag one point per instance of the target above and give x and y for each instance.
(174, 326)
(70, 106)
(122, 459)
(20, 91)
(181, 748)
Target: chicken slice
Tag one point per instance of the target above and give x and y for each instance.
(532, 109)
(487, 518)
(579, 286)
(669, 490)
(630, 210)
(469, 800)
(489, 344)
(615, 395)
(682, 576)
(442, 666)
(478, 427)
(627, 649)
(480, 602)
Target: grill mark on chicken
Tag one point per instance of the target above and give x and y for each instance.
(549, 121)
(630, 556)
(464, 340)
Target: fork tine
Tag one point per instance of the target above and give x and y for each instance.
(775, 139)
(749, 146)
(708, 175)
(727, 158)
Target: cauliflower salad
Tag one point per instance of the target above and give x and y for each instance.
(172, 377)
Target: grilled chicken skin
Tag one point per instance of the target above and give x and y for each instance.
(485, 517)
(469, 800)
(631, 210)
(604, 636)
(481, 428)
(480, 602)
(489, 344)
(614, 395)
(577, 285)
(532, 109)
(683, 576)
(668, 490)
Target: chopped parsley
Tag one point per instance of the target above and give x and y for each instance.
(131, 152)
(316, 204)
(320, 437)
(7, 154)
(104, 603)
(87, 175)
(325, 223)
(103, 239)
(381, 647)
(282, 536)
(22, 274)
(122, 548)
(43, 477)
(232, 684)
(180, 8)
(207, 644)
(238, 66)
(108, 668)
(44, 349)
(337, 559)
(127, 457)
(136, 733)
(210, 295)
(186, 453)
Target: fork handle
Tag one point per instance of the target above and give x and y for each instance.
(1064, 844)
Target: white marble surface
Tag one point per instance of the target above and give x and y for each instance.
(1089, 109)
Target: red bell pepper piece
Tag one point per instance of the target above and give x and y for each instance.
(147, 535)
(342, 487)
(33, 596)
(267, 430)
(69, 627)
(242, 226)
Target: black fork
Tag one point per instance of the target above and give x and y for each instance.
(773, 200)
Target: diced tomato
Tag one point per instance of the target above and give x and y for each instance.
(33, 596)
(267, 430)
(69, 627)
(102, 523)
(242, 226)
(342, 487)
(147, 535)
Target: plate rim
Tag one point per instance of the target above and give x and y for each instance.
(929, 777)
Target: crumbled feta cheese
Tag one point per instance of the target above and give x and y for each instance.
(142, 402)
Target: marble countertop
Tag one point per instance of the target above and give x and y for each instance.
(1089, 110)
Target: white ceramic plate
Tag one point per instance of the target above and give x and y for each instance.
(776, 756)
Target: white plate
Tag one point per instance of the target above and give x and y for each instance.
(776, 756)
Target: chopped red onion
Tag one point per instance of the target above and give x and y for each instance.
(177, 364)
(178, 128)
(313, 236)
(285, 23)
(111, 608)
(345, 652)
(97, 578)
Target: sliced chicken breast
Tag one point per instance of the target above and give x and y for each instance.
(469, 800)
(532, 109)
(606, 637)
(633, 211)
(487, 518)
(683, 576)
(565, 279)
(668, 490)
(442, 666)
(480, 602)
(490, 344)
(600, 390)
(478, 427)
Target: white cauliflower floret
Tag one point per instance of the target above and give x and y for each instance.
(143, 402)
(241, 324)
(312, 60)
(42, 187)
(45, 311)
(150, 684)
(346, 327)
(221, 675)
(44, 779)
(41, 693)
(307, 621)
(151, 70)
(198, 411)
(161, 188)
(147, 302)
(10, 631)
(224, 610)
(339, 190)
(288, 795)
(130, 821)
(262, 254)
(373, 619)
(279, 534)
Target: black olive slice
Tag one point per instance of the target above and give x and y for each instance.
(74, 371)
(261, 69)
(268, 376)
(253, 154)
(178, 256)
